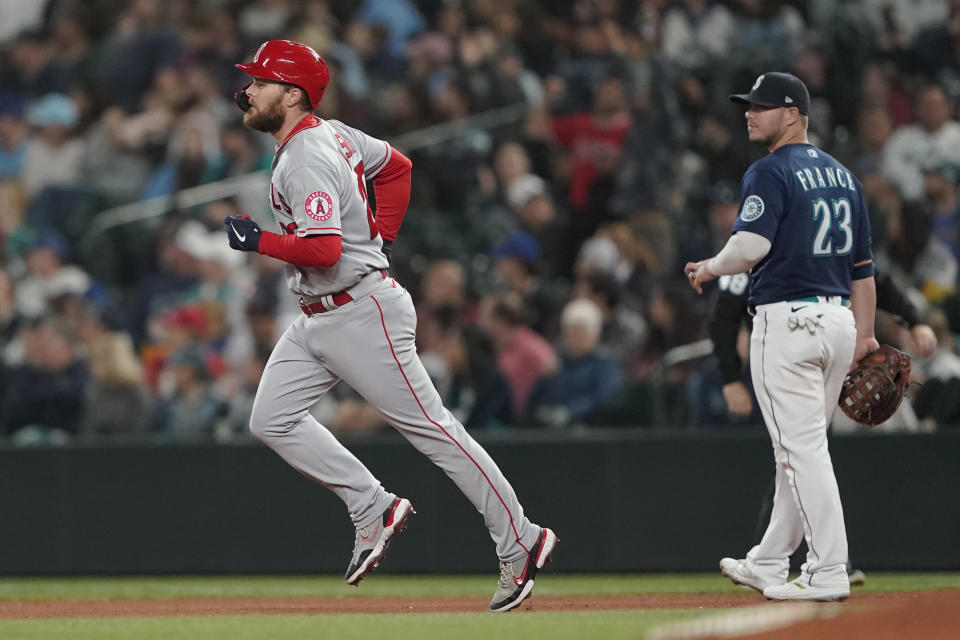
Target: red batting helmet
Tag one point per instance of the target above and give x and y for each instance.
(292, 63)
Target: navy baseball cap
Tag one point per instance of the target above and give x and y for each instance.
(777, 89)
(520, 245)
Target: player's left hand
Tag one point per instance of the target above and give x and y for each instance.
(698, 273)
(387, 250)
(864, 347)
(243, 232)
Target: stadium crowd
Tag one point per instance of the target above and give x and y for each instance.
(585, 150)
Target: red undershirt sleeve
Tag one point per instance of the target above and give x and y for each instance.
(309, 251)
(391, 186)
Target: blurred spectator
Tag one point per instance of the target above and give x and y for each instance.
(624, 329)
(675, 319)
(137, 46)
(442, 302)
(262, 19)
(191, 409)
(593, 144)
(587, 381)
(934, 141)
(723, 206)
(918, 258)
(880, 86)
(863, 152)
(48, 275)
(530, 202)
(13, 204)
(523, 355)
(115, 163)
(933, 51)
(401, 18)
(222, 277)
(11, 347)
(13, 135)
(476, 390)
(721, 151)
(185, 328)
(769, 33)
(46, 392)
(20, 16)
(239, 154)
(516, 267)
(117, 402)
(241, 394)
(167, 283)
(941, 194)
(937, 397)
(54, 155)
(696, 32)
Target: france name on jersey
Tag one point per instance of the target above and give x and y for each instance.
(811, 209)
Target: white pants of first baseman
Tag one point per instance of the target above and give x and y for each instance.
(799, 354)
(369, 344)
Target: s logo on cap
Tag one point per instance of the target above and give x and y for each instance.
(757, 83)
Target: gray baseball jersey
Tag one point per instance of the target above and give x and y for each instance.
(318, 187)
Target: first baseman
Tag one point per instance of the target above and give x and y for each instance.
(804, 233)
(358, 324)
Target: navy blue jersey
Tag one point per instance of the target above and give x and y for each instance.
(811, 209)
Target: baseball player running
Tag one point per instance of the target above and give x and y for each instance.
(803, 231)
(358, 324)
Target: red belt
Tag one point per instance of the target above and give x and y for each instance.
(339, 299)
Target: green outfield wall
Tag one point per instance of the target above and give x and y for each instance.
(619, 500)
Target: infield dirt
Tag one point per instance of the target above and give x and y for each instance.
(865, 605)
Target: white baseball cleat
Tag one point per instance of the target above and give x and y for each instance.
(737, 571)
(800, 589)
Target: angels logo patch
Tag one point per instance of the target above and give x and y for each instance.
(319, 206)
(752, 209)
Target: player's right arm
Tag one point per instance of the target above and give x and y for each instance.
(742, 251)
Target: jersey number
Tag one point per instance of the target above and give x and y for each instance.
(736, 284)
(839, 215)
(347, 151)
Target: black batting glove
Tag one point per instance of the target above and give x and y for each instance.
(387, 250)
(243, 232)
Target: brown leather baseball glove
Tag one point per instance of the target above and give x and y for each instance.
(874, 389)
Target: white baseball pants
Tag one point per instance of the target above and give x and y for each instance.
(799, 354)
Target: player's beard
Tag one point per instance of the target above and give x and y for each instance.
(268, 118)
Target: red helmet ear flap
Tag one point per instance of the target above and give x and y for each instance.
(240, 98)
